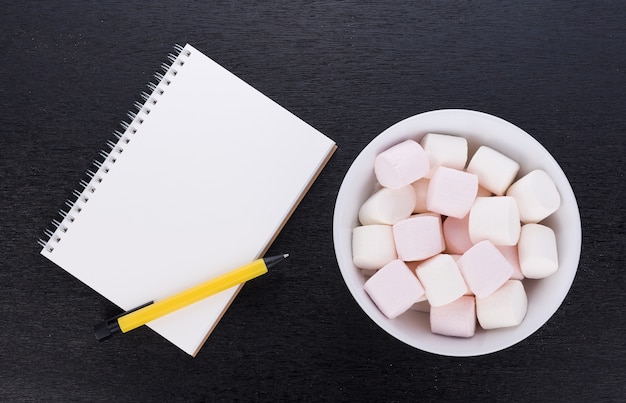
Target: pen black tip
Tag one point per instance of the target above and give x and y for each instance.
(274, 260)
(106, 329)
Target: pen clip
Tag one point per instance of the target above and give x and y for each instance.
(132, 310)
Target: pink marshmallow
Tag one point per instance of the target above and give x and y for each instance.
(456, 234)
(451, 192)
(418, 237)
(394, 289)
(401, 164)
(511, 255)
(457, 318)
(484, 268)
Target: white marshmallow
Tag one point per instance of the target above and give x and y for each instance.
(451, 192)
(484, 268)
(401, 164)
(494, 218)
(458, 318)
(421, 194)
(536, 195)
(394, 289)
(372, 246)
(505, 307)
(418, 237)
(444, 150)
(441, 279)
(388, 206)
(538, 256)
(495, 170)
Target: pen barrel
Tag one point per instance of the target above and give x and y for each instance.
(192, 295)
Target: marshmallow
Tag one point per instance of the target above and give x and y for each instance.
(488, 250)
(495, 218)
(536, 196)
(418, 237)
(511, 255)
(441, 279)
(457, 318)
(505, 307)
(401, 164)
(421, 192)
(444, 150)
(456, 234)
(484, 269)
(394, 289)
(451, 192)
(538, 255)
(495, 171)
(372, 246)
(388, 206)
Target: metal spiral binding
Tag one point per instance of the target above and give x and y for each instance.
(109, 157)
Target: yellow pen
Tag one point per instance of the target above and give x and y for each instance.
(139, 316)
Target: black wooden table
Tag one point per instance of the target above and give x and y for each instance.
(70, 72)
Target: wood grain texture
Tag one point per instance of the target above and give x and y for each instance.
(350, 69)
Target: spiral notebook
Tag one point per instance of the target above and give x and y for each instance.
(201, 181)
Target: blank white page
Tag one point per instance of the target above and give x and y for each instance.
(207, 177)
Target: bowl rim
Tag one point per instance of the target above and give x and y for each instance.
(450, 121)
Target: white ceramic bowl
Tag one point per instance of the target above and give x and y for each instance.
(544, 296)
